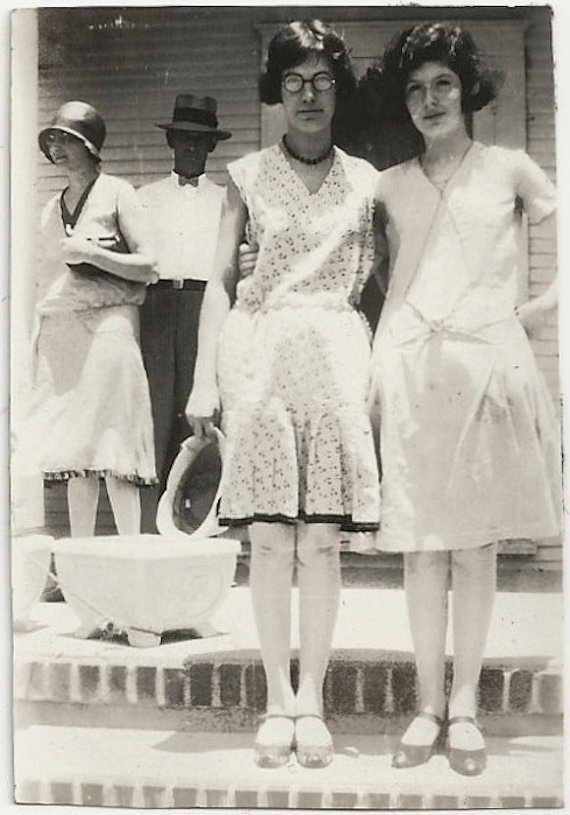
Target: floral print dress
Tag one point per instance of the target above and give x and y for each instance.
(293, 361)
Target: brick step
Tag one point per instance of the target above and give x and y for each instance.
(218, 682)
(364, 696)
(158, 768)
(228, 693)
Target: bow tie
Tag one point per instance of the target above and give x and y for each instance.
(193, 180)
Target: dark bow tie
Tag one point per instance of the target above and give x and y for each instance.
(193, 180)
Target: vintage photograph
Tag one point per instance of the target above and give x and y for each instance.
(286, 511)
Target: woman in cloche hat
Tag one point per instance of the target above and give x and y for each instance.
(90, 415)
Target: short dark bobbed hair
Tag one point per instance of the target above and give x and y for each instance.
(298, 42)
(431, 42)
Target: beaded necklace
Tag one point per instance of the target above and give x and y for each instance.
(302, 159)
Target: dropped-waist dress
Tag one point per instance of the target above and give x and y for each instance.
(90, 406)
(469, 436)
(293, 359)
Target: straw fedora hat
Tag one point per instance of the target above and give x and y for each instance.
(195, 114)
(190, 502)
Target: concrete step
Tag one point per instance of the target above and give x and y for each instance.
(517, 569)
(159, 768)
(217, 682)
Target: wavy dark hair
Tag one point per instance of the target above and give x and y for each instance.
(384, 84)
(297, 42)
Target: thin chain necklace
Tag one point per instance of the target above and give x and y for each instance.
(441, 181)
(304, 160)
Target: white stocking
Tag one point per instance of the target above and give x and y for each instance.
(126, 505)
(319, 593)
(474, 579)
(271, 571)
(82, 500)
(427, 580)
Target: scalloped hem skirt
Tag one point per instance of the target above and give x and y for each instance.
(294, 384)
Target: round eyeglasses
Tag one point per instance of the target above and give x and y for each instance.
(294, 83)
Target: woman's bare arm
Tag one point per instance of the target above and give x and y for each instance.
(203, 403)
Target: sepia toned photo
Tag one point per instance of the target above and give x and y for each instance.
(286, 513)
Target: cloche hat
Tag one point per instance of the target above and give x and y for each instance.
(195, 114)
(80, 120)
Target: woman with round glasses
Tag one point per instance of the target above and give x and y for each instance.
(469, 441)
(295, 83)
(91, 416)
(288, 364)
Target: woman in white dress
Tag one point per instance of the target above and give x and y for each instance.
(90, 413)
(469, 438)
(289, 367)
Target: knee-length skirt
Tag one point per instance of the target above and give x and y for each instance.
(470, 440)
(294, 383)
(90, 411)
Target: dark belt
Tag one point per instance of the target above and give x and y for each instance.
(179, 285)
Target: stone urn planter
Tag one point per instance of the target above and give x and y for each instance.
(145, 585)
(150, 584)
(31, 558)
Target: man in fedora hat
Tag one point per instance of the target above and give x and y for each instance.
(184, 211)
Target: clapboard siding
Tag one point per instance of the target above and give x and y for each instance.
(540, 132)
(541, 146)
(132, 74)
(131, 62)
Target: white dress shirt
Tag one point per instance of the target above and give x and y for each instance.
(185, 220)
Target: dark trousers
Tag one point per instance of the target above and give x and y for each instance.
(169, 342)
